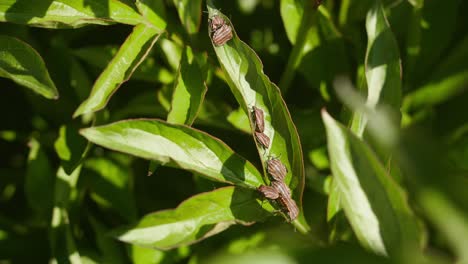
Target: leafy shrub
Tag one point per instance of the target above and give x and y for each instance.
(110, 134)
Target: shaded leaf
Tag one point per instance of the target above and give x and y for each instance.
(62, 242)
(128, 58)
(189, 90)
(176, 146)
(374, 204)
(190, 12)
(251, 87)
(110, 186)
(111, 250)
(197, 218)
(22, 64)
(39, 180)
(450, 79)
(66, 13)
(70, 147)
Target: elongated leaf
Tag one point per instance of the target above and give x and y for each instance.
(190, 12)
(374, 204)
(122, 66)
(448, 219)
(39, 180)
(383, 69)
(154, 11)
(70, 147)
(61, 238)
(449, 80)
(22, 64)
(110, 186)
(197, 218)
(251, 87)
(301, 29)
(67, 13)
(176, 146)
(149, 70)
(189, 90)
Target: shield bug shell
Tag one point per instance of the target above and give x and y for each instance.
(259, 119)
(269, 192)
(281, 188)
(276, 169)
(222, 32)
(290, 206)
(263, 139)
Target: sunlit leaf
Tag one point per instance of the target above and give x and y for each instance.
(154, 11)
(383, 69)
(251, 87)
(120, 69)
(176, 146)
(67, 13)
(197, 218)
(190, 14)
(189, 90)
(22, 64)
(374, 204)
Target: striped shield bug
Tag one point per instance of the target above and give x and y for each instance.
(281, 188)
(263, 139)
(269, 192)
(276, 169)
(290, 206)
(259, 119)
(221, 32)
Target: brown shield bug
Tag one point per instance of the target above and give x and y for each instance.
(281, 188)
(290, 206)
(276, 169)
(221, 32)
(269, 192)
(263, 139)
(259, 119)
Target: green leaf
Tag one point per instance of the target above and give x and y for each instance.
(197, 218)
(110, 186)
(374, 204)
(154, 11)
(111, 250)
(62, 243)
(189, 90)
(239, 119)
(176, 146)
(448, 80)
(448, 219)
(39, 180)
(302, 31)
(383, 69)
(23, 65)
(190, 12)
(128, 58)
(149, 70)
(70, 147)
(251, 87)
(67, 13)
